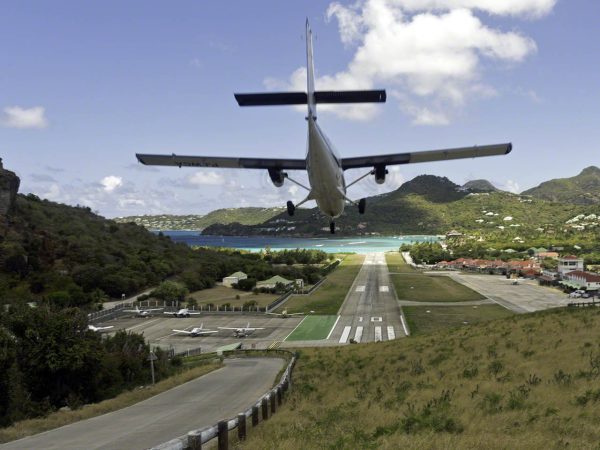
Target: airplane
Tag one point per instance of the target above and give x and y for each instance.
(99, 329)
(323, 164)
(183, 312)
(142, 312)
(242, 332)
(285, 314)
(196, 331)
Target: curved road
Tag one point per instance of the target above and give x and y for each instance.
(221, 394)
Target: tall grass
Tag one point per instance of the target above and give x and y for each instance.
(522, 382)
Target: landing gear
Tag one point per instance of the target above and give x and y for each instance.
(332, 227)
(290, 208)
(362, 204)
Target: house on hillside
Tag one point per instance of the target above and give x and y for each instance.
(234, 278)
(273, 281)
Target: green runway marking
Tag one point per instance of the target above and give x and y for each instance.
(313, 328)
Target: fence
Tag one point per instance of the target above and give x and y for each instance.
(583, 304)
(266, 406)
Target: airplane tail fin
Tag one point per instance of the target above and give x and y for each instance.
(311, 97)
(311, 100)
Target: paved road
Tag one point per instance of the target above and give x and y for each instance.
(201, 402)
(370, 311)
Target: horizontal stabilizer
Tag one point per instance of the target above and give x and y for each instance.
(300, 98)
(377, 96)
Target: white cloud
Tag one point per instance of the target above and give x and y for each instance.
(17, 117)
(431, 52)
(206, 178)
(512, 186)
(111, 182)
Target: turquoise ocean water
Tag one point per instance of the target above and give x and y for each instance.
(359, 244)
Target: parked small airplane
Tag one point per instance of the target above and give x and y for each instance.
(184, 312)
(242, 331)
(99, 329)
(324, 166)
(285, 314)
(196, 331)
(142, 312)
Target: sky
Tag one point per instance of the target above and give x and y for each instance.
(86, 85)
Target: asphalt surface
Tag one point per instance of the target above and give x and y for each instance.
(370, 311)
(158, 330)
(527, 296)
(202, 402)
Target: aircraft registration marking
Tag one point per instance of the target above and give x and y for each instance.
(384, 289)
(391, 333)
(360, 288)
(358, 334)
(345, 335)
(378, 334)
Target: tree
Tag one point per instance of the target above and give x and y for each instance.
(170, 291)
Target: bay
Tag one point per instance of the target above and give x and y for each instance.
(359, 244)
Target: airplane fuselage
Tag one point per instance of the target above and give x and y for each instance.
(325, 173)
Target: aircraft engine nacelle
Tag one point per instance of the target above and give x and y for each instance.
(380, 173)
(277, 176)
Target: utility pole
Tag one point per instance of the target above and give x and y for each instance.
(152, 357)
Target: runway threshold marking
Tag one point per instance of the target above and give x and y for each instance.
(391, 333)
(345, 335)
(358, 334)
(378, 334)
(140, 324)
(360, 288)
(384, 289)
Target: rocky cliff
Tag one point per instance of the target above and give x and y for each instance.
(9, 186)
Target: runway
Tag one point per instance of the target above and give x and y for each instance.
(370, 311)
(221, 394)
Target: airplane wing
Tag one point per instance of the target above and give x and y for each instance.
(426, 156)
(252, 329)
(228, 328)
(182, 331)
(222, 162)
(207, 332)
(192, 313)
(93, 328)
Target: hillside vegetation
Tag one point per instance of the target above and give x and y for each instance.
(581, 189)
(523, 382)
(244, 216)
(433, 205)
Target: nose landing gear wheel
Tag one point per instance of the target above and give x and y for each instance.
(332, 227)
(290, 208)
(362, 204)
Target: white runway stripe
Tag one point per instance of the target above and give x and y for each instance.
(391, 333)
(360, 289)
(332, 328)
(345, 335)
(384, 289)
(358, 334)
(378, 334)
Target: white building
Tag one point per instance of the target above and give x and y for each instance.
(569, 264)
(234, 278)
(584, 280)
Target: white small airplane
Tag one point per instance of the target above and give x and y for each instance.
(324, 166)
(285, 314)
(142, 312)
(242, 332)
(196, 331)
(183, 312)
(99, 329)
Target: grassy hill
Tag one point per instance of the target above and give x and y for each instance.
(582, 189)
(480, 186)
(244, 216)
(526, 382)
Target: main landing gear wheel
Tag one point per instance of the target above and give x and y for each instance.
(362, 204)
(332, 227)
(290, 208)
